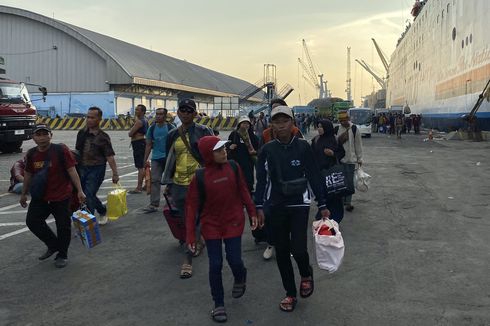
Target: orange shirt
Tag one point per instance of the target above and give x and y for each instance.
(267, 135)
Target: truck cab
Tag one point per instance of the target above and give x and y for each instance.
(17, 115)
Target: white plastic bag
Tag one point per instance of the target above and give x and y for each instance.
(361, 180)
(329, 248)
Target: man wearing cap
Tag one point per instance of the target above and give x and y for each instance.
(350, 137)
(285, 168)
(183, 159)
(48, 177)
(95, 149)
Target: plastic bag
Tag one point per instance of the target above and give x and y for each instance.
(361, 180)
(116, 203)
(329, 244)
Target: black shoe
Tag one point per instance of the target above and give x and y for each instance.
(349, 208)
(47, 254)
(60, 262)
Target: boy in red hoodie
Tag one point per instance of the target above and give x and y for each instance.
(222, 218)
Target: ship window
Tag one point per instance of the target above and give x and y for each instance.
(442, 14)
(462, 44)
(448, 5)
(466, 40)
(454, 33)
(471, 38)
(438, 19)
(419, 65)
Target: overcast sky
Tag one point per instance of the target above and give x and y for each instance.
(238, 37)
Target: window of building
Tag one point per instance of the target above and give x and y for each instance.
(454, 33)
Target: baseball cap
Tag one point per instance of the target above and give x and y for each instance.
(220, 144)
(190, 104)
(343, 115)
(282, 109)
(41, 127)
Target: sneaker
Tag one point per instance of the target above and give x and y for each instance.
(268, 252)
(60, 262)
(150, 209)
(103, 220)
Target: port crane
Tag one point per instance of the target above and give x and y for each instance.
(381, 55)
(311, 73)
(473, 131)
(381, 81)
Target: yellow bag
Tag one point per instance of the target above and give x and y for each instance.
(116, 203)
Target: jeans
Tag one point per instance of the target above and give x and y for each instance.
(233, 249)
(38, 212)
(17, 189)
(157, 167)
(91, 177)
(352, 168)
(290, 226)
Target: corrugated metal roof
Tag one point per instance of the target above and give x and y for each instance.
(144, 63)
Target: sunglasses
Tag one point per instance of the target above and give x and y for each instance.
(186, 110)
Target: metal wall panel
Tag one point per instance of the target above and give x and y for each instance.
(37, 53)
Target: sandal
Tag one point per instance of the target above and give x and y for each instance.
(185, 271)
(239, 288)
(288, 304)
(199, 247)
(135, 191)
(218, 314)
(307, 285)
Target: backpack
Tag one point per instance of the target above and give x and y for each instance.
(152, 129)
(37, 188)
(354, 130)
(201, 186)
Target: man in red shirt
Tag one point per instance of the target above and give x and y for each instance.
(48, 177)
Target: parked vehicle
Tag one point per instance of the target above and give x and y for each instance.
(362, 118)
(17, 115)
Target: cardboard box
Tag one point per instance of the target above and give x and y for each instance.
(87, 228)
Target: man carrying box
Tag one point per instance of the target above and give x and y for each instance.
(48, 177)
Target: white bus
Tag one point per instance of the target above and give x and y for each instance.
(362, 118)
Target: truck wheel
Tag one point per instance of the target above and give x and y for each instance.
(10, 147)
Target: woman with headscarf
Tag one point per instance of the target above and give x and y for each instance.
(328, 152)
(243, 147)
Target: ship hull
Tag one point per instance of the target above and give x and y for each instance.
(442, 64)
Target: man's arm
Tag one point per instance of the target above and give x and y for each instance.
(358, 146)
(138, 124)
(112, 164)
(149, 146)
(25, 189)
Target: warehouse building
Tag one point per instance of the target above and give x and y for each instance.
(81, 68)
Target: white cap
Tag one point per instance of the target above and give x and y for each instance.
(282, 109)
(220, 144)
(243, 119)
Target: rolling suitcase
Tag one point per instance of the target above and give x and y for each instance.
(175, 222)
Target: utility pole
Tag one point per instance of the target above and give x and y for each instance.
(348, 89)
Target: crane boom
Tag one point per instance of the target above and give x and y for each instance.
(310, 62)
(312, 79)
(380, 80)
(381, 55)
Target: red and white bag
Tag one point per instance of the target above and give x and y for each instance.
(329, 244)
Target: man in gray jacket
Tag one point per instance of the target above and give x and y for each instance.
(349, 136)
(183, 159)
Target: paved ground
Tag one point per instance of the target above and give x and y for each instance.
(417, 253)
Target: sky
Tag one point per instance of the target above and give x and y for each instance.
(238, 37)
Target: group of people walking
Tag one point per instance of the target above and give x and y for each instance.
(397, 123)
(265, 167)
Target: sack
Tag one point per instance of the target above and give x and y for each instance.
(294, 187)
(116, 203)
(175, 222)
(87, 228)
(338, 181)
(329, 244)
(361, 180)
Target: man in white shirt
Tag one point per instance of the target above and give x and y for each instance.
(350, 137)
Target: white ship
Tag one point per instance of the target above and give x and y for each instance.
(442, 63)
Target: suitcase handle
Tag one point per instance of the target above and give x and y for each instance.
(168, 201)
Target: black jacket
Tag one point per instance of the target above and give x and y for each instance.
(295, 160)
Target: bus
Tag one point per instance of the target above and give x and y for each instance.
(362, 118)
